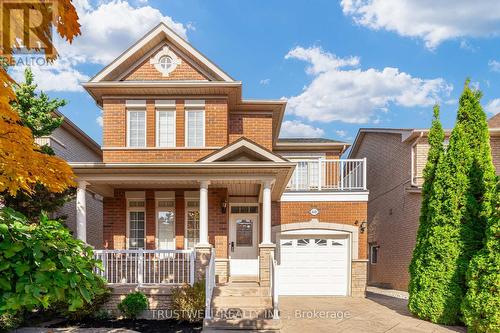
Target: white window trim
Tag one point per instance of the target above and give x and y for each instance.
(194, 105)
(186, 208)
(158, 209)
(139, 109)
(135, 209)
(157, 125)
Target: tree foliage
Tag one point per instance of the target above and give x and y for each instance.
(36, 110)
(482, 302)
(458, 208)
(435, 138)
(22, 164)
(42, 264)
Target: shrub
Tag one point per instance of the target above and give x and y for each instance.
(133, 305)
(92, 309)
(42, 265)
(188, 302)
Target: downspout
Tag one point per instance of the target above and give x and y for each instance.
(412, 179)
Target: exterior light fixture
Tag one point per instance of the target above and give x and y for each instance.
(223, 206)
(362, 227)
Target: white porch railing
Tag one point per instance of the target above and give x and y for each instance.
(273, 285)
(209, 285)
(328, 175)
(146, 267)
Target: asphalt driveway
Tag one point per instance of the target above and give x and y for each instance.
(379, 312)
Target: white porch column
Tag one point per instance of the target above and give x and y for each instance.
(81, 211)
(266, 213)
(204, 212)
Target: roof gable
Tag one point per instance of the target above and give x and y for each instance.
(152, 42)
(243, 150)
(145, 69)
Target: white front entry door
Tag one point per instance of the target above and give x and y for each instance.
(243, 243)
(313, 265)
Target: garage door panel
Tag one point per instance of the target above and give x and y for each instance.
(313, 266)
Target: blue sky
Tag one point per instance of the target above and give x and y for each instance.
(342, 65)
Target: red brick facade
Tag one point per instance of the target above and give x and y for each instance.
(329, 212)
(145, 71)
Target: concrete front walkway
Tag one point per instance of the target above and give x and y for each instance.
(376, 313)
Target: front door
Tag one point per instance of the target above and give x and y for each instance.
(243, 241)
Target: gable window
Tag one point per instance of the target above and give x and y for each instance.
(195, 123)
(136, 123)
(165, 123)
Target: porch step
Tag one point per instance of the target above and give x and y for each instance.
(241, 306)
(244, 278)
(240, 290)
(248, 300)
(259, 325)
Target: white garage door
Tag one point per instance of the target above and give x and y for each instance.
(313, 265)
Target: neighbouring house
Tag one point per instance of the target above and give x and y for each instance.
(196, 183)
(73, 145)
(396, 160)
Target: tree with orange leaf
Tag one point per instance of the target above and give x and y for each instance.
(22, 164)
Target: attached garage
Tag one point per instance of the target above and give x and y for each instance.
(314, 265)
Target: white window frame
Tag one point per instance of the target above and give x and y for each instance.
(135, 209)
(158, 110)
(186, 210)
(194, 106)
(161, 196)
(136, 106)
(372, 247)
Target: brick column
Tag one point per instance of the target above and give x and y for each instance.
(202, 258)
(359, 269)
(264, 251)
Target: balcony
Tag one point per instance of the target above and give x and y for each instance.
(328, 175)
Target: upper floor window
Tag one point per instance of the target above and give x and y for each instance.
(195, 123)
(136, 123)
(165, 123)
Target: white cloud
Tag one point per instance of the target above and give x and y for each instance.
(430, 20)
(99, 120)
(265, 82)
(59, 76)
(107, 30)
(297, 129)
(340, 91)
(493, 106)
(341, 133)
(112, 26)
(494, 65)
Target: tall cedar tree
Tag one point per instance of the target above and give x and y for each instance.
(37, 113)
(459, 207)
(482, 302)
(436, 152)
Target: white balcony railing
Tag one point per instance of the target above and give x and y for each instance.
(273, 285)
(328, 175)
(147, 267)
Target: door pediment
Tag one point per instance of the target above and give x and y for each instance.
(243, 150)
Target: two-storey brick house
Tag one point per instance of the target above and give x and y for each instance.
(188, 164)
(397, 158)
